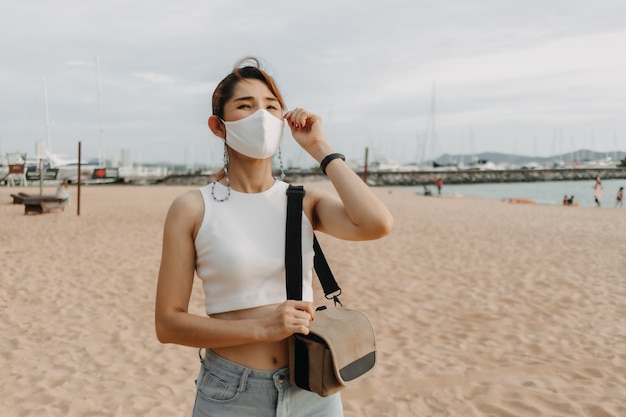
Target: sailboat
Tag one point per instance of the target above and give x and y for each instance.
(429, 135)
(60, 167)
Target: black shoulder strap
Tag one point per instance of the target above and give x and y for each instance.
(293, 243)
(293, 252)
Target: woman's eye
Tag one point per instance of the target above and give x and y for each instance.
(244, 106)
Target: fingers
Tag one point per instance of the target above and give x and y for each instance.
(298, 118)
(300, 325)
(297, 315)
(304, 309)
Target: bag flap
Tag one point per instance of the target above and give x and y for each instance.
(350, 337)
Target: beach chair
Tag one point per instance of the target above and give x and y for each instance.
(42, 203)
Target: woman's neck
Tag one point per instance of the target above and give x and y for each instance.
(250, 176)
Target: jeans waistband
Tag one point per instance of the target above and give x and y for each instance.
(235, 372)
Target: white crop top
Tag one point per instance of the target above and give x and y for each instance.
(240, 249)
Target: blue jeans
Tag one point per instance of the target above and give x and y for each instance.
(227, 389)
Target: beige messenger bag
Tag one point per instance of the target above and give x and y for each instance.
(340, 347)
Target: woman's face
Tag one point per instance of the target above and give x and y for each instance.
(250, 95)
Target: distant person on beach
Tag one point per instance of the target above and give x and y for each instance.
(62, 192)
(439, 184)
(598, 183)
(231, 234)
(598, 191)
(565, 200)
(620, 197)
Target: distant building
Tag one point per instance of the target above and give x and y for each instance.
(127, 159)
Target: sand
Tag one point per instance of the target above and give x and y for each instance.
(481, 308)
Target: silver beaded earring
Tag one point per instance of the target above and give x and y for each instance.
(225, 176)
(280, 162)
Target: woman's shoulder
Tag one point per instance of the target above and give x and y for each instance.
(317, 192)
(187, 205)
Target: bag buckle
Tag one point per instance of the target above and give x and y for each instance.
(334, 296)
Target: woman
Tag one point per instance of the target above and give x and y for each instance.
(232, 234)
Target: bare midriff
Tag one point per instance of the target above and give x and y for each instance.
(263, 356)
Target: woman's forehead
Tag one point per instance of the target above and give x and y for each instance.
(251, 87)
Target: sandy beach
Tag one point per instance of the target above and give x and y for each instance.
(481, 308)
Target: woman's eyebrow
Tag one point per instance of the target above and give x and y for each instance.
(248, 98)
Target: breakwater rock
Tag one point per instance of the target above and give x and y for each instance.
(475, 177)
(448, 177)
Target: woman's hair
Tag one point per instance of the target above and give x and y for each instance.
(248, 68)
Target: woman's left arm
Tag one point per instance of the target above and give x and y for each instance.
(357, 213)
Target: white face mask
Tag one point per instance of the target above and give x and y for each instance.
(256, 136)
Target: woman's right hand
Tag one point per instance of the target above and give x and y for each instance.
(288, 318)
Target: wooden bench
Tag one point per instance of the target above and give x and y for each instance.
(19, 198)
(42, 203)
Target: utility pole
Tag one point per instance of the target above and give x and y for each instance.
(101, 155)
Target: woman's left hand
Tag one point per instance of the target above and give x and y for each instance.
(306, 128)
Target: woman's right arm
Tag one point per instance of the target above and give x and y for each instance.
(174, 323)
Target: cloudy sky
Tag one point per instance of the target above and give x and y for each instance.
(532, 77)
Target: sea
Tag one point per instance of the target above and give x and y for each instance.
(545, 192)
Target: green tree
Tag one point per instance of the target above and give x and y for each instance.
(622, 163)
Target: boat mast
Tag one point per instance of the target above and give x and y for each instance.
(429, 134)
(433, 124)
(101, 156)
(45, 100)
